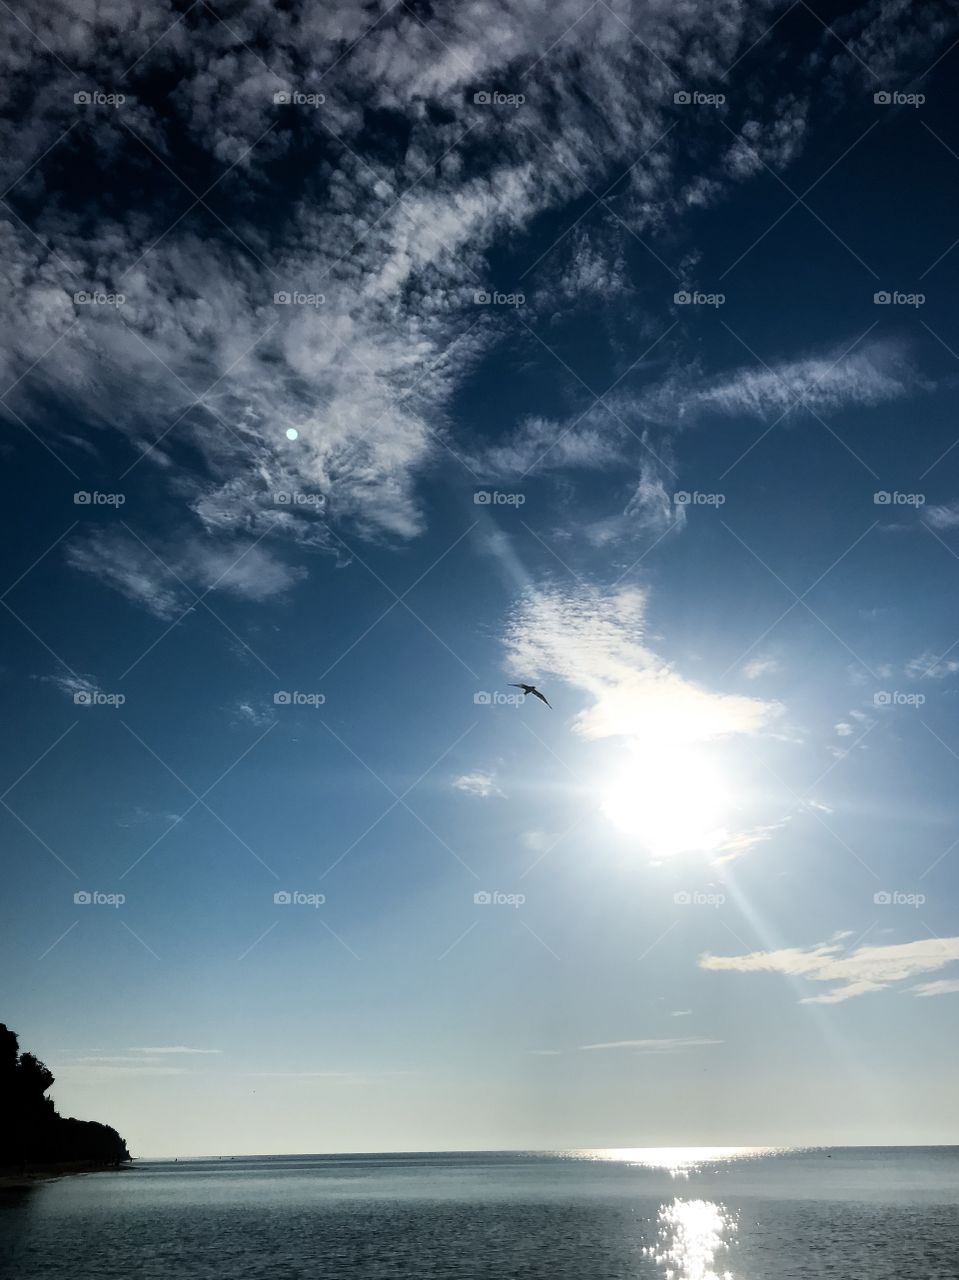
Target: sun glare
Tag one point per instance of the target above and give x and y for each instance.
(674, 800)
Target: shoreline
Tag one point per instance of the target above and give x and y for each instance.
(30, 1177)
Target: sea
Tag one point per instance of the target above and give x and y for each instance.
(746, 1213)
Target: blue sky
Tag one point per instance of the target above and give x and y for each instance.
(359, 364)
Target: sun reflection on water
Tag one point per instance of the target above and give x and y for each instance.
(691, 1237)
(678, 1162)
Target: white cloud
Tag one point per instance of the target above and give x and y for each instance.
(742, 841)
(71, 685)
(942, 516)
(844, 729)
(929, 667)
(248, 713)
(870, 374)
(167, 581)
(942, 987)
(174, 1048)
(651, 509)
(479, 783)
(760, 666)
(595, 642)
(367, 377)
(854, 973)
(666, 1045)
(591, 441)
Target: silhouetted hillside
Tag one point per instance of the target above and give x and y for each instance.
(31, 1132)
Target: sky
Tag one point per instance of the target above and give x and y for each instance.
(362, 361)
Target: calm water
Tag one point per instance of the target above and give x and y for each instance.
(677, 1214)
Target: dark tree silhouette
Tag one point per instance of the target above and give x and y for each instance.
(32, 1133)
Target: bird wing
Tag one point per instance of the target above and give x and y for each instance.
(536, 693)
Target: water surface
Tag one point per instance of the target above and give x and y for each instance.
(634, 1214)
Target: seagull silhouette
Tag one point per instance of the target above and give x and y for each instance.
(531, 688)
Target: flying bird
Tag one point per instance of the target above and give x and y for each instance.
(531, 688)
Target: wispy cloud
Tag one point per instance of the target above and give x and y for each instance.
(853, 973)
(167, 582)
(669, 1044)
(942, 987)
(760, 666)
(479, 783)
(869, 375)
(246, 712)
(594, 641)
(72, 685)
(173, 1048)
(651, 509)
(942, 515)
(928, 666)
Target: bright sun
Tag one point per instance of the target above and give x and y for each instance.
(673, 800)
